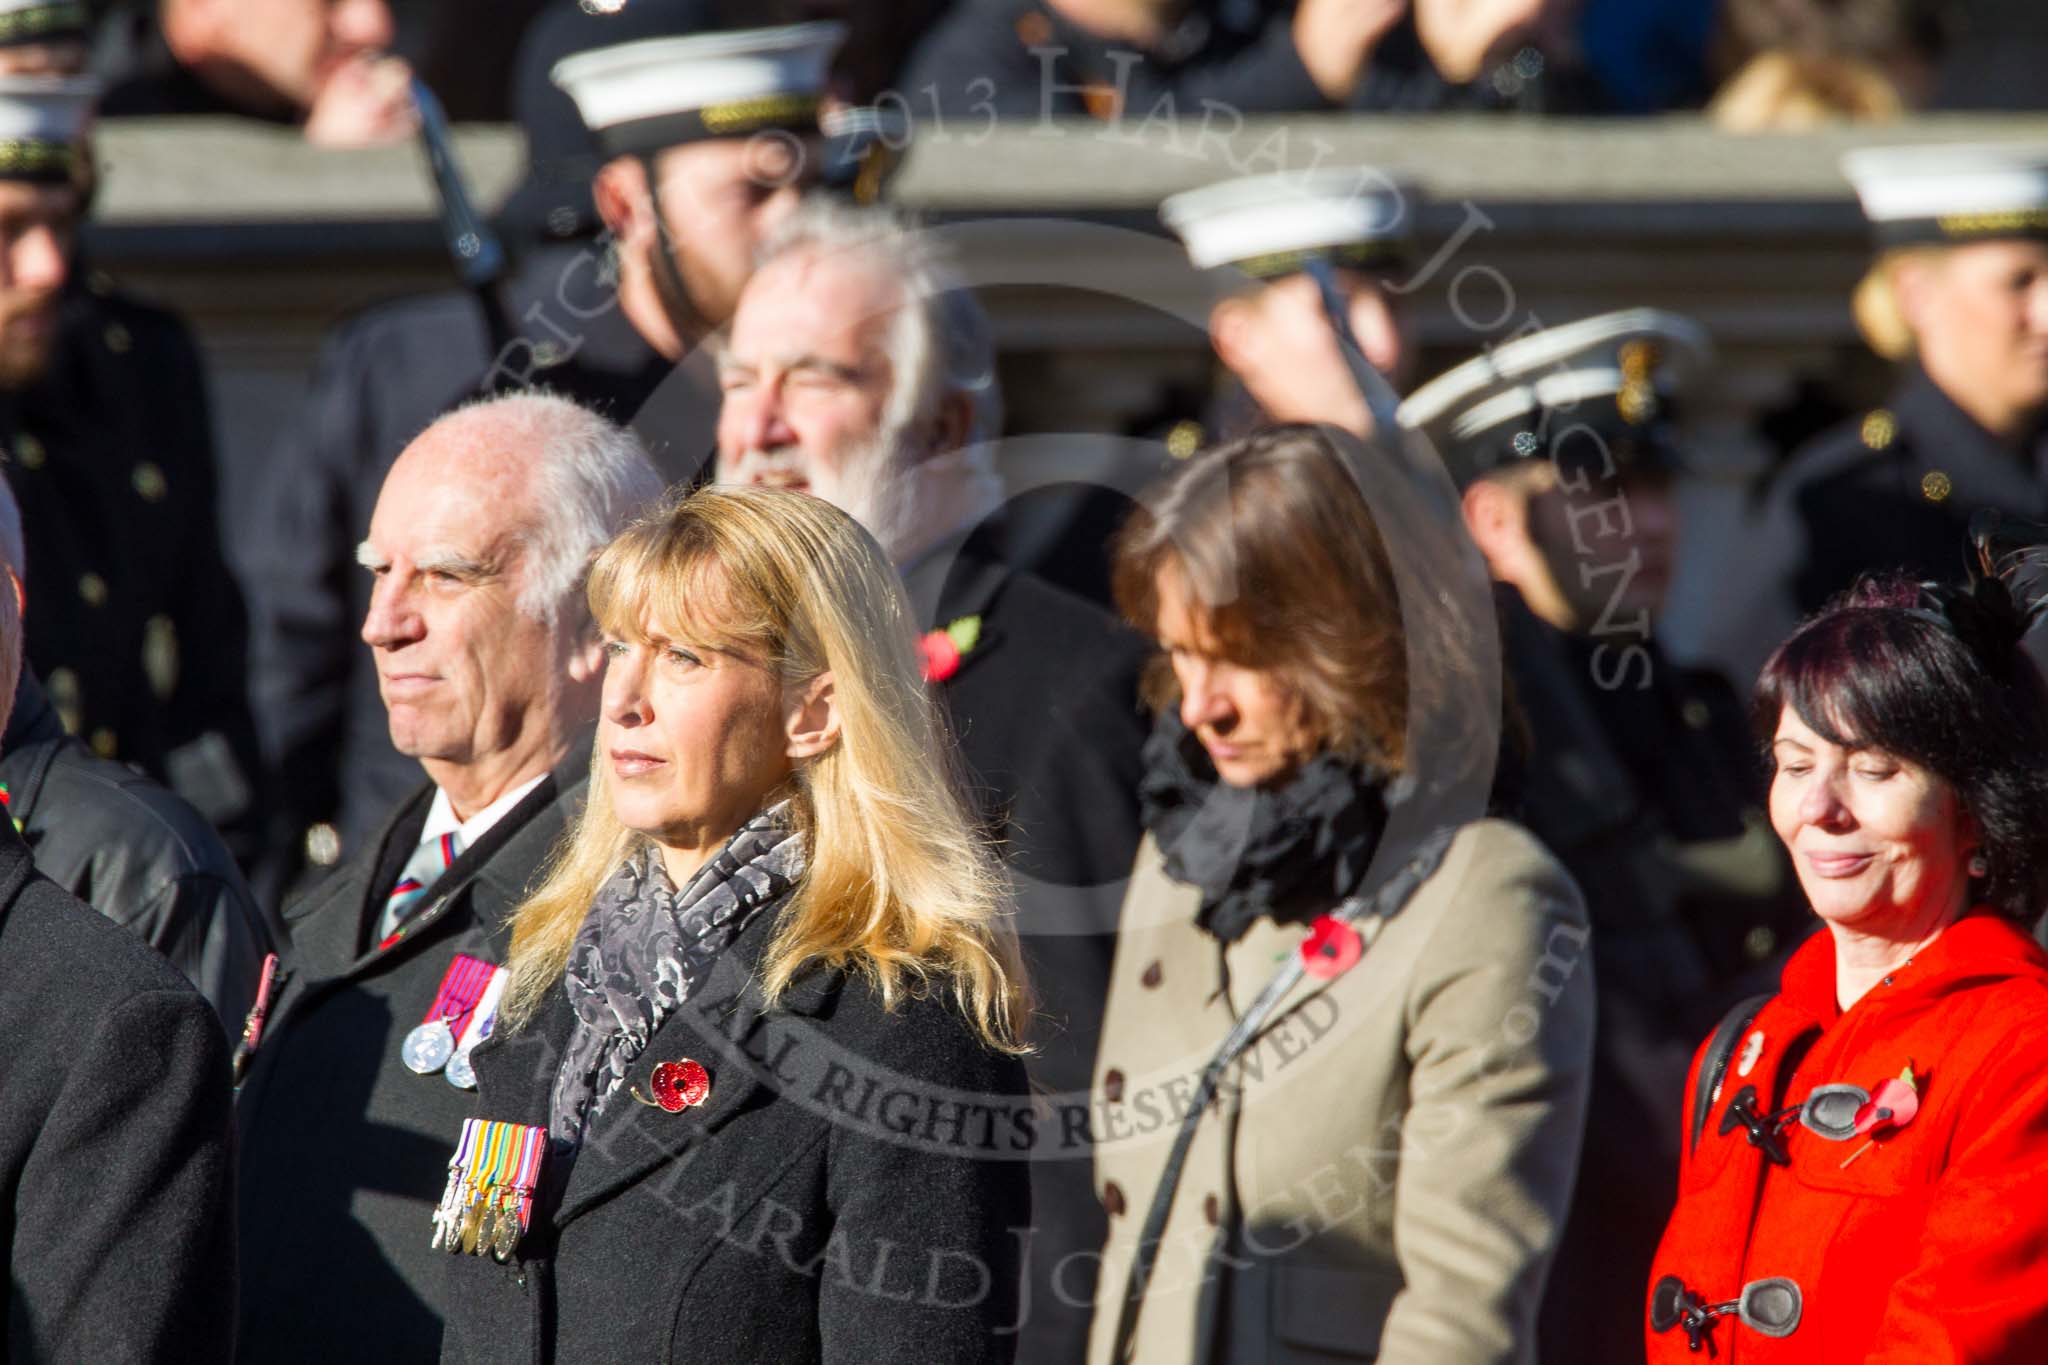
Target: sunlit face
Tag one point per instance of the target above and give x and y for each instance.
(1880, 844)
(807, 376)
(465, 674)
(1979, 315)
(1254, 725)
(720, 199)
(295, 47)
(695, 738)
(38, 224)
(1608, 549)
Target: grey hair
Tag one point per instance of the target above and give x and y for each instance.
(591, 477)
(941, 342)
(13, 546)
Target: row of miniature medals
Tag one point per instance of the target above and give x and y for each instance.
(488, 1203)
(1833, 1113)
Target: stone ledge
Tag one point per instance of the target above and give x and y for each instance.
(223, 187)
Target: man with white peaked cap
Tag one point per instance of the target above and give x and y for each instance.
(1274, 333)
(1958, 296)
(1260, 235)
(710, 140)
(134, 626)
(1637, 772)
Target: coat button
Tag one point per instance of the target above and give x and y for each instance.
(118, 339)
(1152, 976)
(103, 742)
(149, 482)
(1936, 486)
(1212, 1210)
(1113, 1085)
(1113, 1198)
(323, 845)
(29, 451)
(93, 589)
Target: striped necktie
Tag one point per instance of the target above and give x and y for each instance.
(422, 870)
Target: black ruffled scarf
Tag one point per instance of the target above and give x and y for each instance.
(1290, 852)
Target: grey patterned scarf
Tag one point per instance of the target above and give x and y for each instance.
(645, 946)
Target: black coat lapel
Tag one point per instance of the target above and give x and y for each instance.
(327, 928)
(724, 1028)
(16, 866)
(959, 580)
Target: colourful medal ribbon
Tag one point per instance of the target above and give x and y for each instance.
(533, 1143)
(462, 986)
(488, 1204)
(481, 1011)
(448, 1215)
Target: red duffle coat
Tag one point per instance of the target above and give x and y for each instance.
(1930, 1247)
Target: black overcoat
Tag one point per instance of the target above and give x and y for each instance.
(343, 1152)
(1891, 490)
(135, 851)
(1050, 726)
(114, 1140)
(849, 1191)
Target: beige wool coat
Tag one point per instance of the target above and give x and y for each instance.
(1387, 1169)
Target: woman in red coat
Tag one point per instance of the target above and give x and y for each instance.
(1866, 1173)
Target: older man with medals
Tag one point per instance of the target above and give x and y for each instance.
(357, 1065)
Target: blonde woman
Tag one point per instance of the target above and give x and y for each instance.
(764, 1007)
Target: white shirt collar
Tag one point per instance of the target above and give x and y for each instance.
(441, 815)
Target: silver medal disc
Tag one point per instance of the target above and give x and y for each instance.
(428, 1047)
(460, 1073)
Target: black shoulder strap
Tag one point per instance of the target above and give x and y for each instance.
(1383, 904)
(1714, 1065)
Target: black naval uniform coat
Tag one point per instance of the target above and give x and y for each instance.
(1891, 490)
(1047, 713)
(1651, 798)
(115, 1137)
(343, 1150)
(133, 622)
(381, 378)
(136, 852)
(793, 1217)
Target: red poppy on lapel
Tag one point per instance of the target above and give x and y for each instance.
(1331, 949)
(680, 1085)
(944, 649)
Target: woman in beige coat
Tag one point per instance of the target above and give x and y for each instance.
(1386, 1165)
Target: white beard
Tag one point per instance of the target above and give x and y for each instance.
(906, 502)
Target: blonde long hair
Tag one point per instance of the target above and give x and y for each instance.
(900, 889)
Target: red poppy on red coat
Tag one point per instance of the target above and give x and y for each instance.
(1891, 1105)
